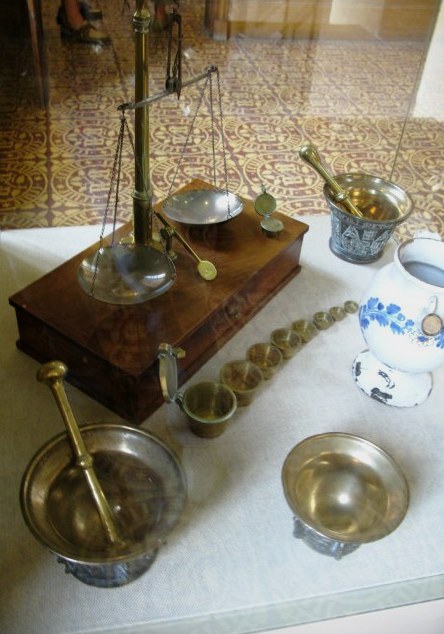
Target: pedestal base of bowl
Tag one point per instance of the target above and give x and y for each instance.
(390, 386)
(109, 575)
(320, 543)
(349, 256)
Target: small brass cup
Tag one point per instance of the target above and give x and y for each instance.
(351, 307)
(244, 378)
(287, 340)
(323, 320)
(305, 329)
(209, 407)
(337, 313)
(266, 356)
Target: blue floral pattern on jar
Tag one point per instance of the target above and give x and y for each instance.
(391, 316)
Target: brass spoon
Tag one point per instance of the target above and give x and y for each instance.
(52, 373)
(310, 155)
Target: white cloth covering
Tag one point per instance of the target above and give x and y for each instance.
(232, 564)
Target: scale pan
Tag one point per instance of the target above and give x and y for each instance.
(126, 274)
(203, 207)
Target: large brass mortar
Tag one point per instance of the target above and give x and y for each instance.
(145, 488)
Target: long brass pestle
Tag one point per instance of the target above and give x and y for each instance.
(53, 373)
(310, 155)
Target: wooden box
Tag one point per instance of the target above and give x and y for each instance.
(111, 350)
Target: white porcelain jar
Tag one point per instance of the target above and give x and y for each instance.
(401, 316)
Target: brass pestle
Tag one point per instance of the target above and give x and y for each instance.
(52, 373)
(310, 155)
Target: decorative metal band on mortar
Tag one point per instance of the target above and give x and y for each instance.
(351, 237)
(109, 575)
(391, 316)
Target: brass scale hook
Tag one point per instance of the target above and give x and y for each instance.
(174, 84)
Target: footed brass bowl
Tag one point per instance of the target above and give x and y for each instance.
(345, 488)
(143, 483)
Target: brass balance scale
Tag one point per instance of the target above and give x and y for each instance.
(103, 314)
(111, 346)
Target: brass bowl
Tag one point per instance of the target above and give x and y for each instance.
(345, 488)
(143, 483)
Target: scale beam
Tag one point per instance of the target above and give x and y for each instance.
(131, 105)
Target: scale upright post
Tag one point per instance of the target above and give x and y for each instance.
(137, 272)
(142, 195)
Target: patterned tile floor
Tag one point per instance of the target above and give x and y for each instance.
(357, 101)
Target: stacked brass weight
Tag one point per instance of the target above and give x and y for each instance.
(103, 497)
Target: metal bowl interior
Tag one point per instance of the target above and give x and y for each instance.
(141, 479)
(126, 274)
(378, 199)
(203, 207)
(345, 487)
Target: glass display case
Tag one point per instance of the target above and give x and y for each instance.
(233, 562)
